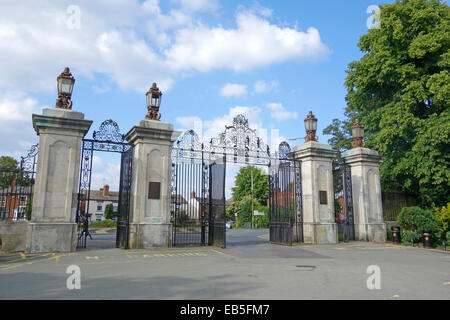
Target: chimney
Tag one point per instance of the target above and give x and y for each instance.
(193, 195)
(105, 190)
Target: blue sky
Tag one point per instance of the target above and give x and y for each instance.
(272, 60)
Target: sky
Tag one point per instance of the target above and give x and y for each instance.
(272, 61)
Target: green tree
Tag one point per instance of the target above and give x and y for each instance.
(9, 167)
(232, 209)
(243, 186)
(400, 91)
(109, 212)
(340, 132)
(245, 212)
(443, 219)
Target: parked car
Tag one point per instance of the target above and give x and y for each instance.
(229, 224)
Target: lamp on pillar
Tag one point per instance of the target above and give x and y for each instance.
(311, 127)
(65, 86)
(358, 135)
(153, 103)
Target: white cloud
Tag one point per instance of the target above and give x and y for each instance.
(15, 123)
(135, 43)
(104, 172)
(262, 86)
(255, 43)
(233, 90)
(120, 38)
(279, 113)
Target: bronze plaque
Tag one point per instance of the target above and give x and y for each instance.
(323, 197)
(154, 190)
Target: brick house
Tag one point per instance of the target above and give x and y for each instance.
(98, 201)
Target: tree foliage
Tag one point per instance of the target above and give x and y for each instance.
(9, 168)
(340, 132)
(243, 186)
(400, 91)
(109, 211)
(443, 219)
(243, 208)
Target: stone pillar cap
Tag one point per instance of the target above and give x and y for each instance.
(314, 149)
(61, 119)
(152, 129)
(362, 155)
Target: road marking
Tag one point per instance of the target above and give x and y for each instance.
(22, 255)
(89, 258)
(55, 257)
(217, 251)
(396, 296)
(446, 283)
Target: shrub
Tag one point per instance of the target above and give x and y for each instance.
(109, 212)
(103, 224)
(443, 218)
(262, 221)
(413, 220)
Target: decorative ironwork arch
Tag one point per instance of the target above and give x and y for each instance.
(109, 132)
(283, 150)
(238, 142)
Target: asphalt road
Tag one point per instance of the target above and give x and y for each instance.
(250, 268)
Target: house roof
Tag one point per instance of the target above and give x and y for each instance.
(178, 199)
(99, 196)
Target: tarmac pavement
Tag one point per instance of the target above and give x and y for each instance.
(250, 268)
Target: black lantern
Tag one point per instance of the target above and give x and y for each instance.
(153, 102)
(311, 127)
(65, 83)
(358, 135)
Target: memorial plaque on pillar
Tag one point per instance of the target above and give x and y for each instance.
(323, 197)
(154, 190)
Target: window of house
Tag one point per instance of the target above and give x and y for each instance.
(23, 200)
(99, 206)
(2, 201)
(98, 217)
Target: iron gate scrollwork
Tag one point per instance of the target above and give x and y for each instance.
(107, 139)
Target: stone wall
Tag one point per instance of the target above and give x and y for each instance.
(13, 235)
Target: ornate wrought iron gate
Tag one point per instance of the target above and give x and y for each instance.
(123, 216)
(343, 204)
(217, 214)
(285, 203)
(107, 139)
(198, 185)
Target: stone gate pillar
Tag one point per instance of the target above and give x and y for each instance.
(52, 227)
(319, 226)
(150, 224)
(366, 192)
